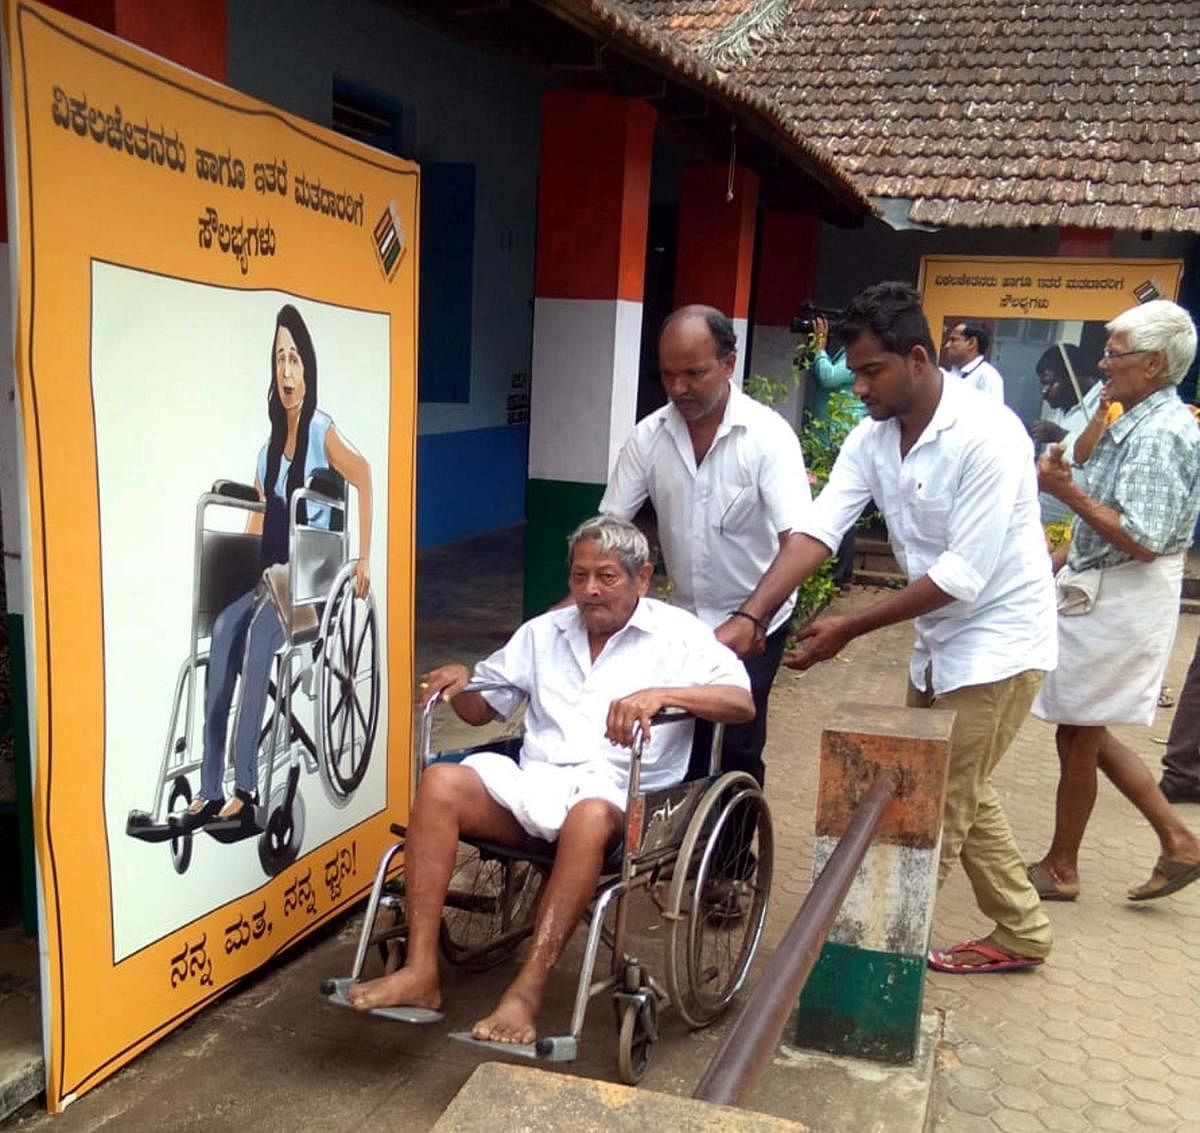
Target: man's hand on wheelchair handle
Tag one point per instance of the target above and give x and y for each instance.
(449, 680)
(635, 709)
(741, 635)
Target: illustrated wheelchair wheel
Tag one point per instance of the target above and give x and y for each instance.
(178, 801)
(718, 898)
(349, 680)
(489, 910)
(636, 1040)
(279, 844)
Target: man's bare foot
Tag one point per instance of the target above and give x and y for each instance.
(407, 987)
(513, 1021)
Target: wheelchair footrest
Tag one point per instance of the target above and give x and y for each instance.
(141, 825)
(335, 991)
(552, 1048)
(228, 830)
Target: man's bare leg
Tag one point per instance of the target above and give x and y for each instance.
(590, 827)
(1133, 779)
(450, 800)
(1078, 754)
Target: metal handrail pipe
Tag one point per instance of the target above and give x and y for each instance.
(751, 1041)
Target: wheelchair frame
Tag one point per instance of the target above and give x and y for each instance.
(320, 574)
(680, 824)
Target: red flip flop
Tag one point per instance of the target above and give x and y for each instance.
(995, 960)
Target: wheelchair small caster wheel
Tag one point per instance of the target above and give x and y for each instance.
(637, 1038)
(181, 843)
(279, 843)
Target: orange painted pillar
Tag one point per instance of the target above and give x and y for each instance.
(715, 255)
(593, 213)
(785, 276)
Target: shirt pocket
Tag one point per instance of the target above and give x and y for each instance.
(931, 513)
(734, 507)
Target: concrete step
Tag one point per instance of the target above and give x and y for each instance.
(500, 1096)
(22, 1073)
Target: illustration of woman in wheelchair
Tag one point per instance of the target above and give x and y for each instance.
(281, 604)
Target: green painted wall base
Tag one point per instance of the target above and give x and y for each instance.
(862, 1004)
(553, 509)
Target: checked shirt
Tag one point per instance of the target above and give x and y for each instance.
(1147, 467)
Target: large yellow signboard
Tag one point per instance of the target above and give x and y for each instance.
(216, 374)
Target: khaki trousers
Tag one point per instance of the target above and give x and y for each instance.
(974, 828)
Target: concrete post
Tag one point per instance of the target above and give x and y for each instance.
(863, 998)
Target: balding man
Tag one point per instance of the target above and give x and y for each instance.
(728, 484)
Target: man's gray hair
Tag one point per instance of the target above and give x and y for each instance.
(1160, 325)
(616, 537)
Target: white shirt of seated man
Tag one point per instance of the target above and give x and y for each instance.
(579, 665)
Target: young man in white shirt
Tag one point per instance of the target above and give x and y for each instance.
(966, 345)
(954, 478)
(593, 672)
(728, 483)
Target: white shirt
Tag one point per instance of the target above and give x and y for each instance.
(1074, 421)
(719, 524)
(548, 659)
(980, 374)
(962, 509)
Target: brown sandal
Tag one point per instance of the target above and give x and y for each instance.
(1048, 885)
(1168, 877)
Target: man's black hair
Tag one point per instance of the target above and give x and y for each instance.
(980, 334)
(720, 326)
(892, 313)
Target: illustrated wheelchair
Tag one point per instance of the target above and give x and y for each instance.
(331, 658)
(675, 849)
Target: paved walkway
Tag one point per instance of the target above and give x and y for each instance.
(1103, 1037)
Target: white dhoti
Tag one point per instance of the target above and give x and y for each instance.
(1116, 626)
(540, 794)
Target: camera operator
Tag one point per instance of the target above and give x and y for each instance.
(829, 373)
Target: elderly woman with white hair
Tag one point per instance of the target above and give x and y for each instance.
(1137, 499)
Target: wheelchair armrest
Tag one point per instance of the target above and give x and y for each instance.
(232, 490)
(325, 482)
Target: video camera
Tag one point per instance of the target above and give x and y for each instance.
(804, 322)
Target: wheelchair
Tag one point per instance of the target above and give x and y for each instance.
(675, 850)
(331, 658)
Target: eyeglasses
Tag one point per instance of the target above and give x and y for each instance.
(1109, 355)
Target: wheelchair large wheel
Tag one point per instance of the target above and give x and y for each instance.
(349, 679)
(279, 844)
(489, 909)
(718, 898)
(178, 801)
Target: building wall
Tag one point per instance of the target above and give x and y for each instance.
(456, 103)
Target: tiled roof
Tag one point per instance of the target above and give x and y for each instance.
(996, 113)
(666, 38)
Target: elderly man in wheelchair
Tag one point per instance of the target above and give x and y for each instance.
(595, 672)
